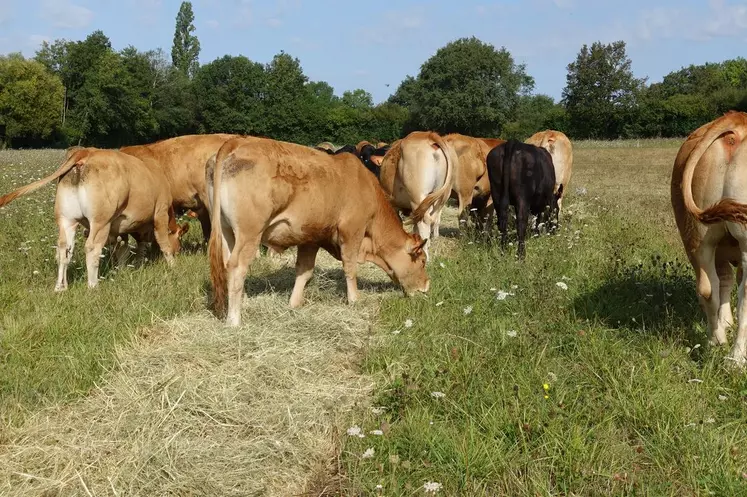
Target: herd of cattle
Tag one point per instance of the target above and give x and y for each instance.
(252, 191)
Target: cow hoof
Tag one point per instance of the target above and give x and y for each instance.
(735, 363)
(60, 288)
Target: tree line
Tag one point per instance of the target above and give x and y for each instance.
(85, 92)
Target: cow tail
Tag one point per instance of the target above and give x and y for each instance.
(507, 153)
(215, 245)
(438, 198)
(77, 158)
(724, 210)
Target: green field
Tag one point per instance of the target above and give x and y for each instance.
(603, 385)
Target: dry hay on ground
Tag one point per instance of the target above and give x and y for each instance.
(194, 408)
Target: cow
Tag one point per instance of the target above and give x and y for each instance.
(709, 199)
(417, 174)
(471, 182)
(109, 193)
(372, 157)
(561, 150)
(521, 175)
(183, 160)
(282, 195)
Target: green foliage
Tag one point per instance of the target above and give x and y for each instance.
(186, 48)
(601, 94)
(227, 92)
(535, 113)
(468, 87)
(30, 99)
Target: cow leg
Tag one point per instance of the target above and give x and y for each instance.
(204, 217)
(349, 251)
(305, 261)
(65, 245)
(435, 227)
(708, 288)
(522, 220)
(97, 238)
(726, 278)
(424, 230)
(738, 352)
(242, 255)
(161, 232)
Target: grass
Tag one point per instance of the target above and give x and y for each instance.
(605, 388)
(53, 347)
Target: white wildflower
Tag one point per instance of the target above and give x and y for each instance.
(722, 397)
(369, 453)
(378, 433)
(36, 272)
(442, 264)
(514, 287)
(396, 332)
(561, 285)
(695, 380)
(511, 333)
(710, 420)
(440, 304)
(379, 487)
(354, 431)
(501, 295)
(438, 395)
(493, 289)
(408, 323)
(468, 310)
(432, 487)
(378, 410)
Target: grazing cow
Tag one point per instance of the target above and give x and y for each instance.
(471, 178)
(283, 195)
(521, 175)
(417, 173)
(561, 150)
(110, 193)
(711, 171)
(182, 160)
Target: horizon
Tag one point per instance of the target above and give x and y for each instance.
(379, 51)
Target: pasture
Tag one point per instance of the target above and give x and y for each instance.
(581, 371)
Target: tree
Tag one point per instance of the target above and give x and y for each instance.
(186, 46)
(30, 99)
(467, 86)
(601, 92)
(535, 113)
(229, 93)
(287, 101)
(357, 99)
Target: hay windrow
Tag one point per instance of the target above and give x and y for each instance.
(193, 408)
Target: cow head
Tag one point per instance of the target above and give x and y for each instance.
(408, 266)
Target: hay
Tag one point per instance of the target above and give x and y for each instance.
(194, 408)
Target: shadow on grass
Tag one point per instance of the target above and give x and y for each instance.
(656, 298)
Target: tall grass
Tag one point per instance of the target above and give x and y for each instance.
(591, 377)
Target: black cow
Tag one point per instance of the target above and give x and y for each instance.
(521, 175)
(368, 152)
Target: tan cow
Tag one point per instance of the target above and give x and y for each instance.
(709, 198)
(283, 195)
(417, 173)
(183, 160)
(471, 181)
(110, 193)
(561, 151)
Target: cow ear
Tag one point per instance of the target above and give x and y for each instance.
(415, 245)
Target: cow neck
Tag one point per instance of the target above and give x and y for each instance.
(386, 231)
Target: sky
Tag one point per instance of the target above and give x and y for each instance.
(374, 45)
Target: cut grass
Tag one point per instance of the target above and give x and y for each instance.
(604, 388)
